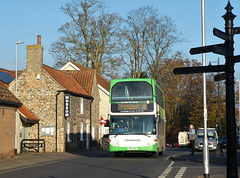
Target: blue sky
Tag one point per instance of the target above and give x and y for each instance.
(23, 20)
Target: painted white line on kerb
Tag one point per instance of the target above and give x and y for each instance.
(181, 172)
(167, 170)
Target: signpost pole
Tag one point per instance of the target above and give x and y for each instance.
(232, 166)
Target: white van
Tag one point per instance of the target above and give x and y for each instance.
(183, 139)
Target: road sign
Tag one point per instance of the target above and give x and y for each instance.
(203, 69)
(206, 49)
(219, 33)
(219, 50)
(102, 121)
(236, 30)
(220, 77)
(236, 59)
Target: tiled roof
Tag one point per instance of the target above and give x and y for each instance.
(85, 79)
(100, 79)
(66, 81)
(25, 112)
(6, 97)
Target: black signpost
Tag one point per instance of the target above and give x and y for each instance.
(225, 49)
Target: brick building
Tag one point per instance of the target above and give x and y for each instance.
(24, 117)
(68, 115)
(8, 106)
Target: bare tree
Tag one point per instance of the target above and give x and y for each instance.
(90, 38)
(148, 38)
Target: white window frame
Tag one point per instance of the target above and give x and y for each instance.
(81, 131)
(81, 105)
(93, 132)
(68, 132)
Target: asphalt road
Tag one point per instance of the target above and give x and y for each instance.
(97, 164)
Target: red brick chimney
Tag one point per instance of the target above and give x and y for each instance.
(39, 39)
(35, 56)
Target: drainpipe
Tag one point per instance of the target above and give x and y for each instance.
(90, 146)
(38, 135)
(56, 117)
(91, 123)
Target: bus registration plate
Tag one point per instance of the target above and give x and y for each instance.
(132, 148)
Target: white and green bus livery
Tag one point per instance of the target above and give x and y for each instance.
(137, 117)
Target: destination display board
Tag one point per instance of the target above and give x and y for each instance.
(132, 106)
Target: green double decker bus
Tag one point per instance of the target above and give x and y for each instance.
(137, 117)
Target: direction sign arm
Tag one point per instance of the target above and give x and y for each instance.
(205, 49)
(236, 30)
(236, 59)
(219, 34)
(203, 69)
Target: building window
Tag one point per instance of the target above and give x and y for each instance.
(81, 131)
(47, 131)
(68, 132)
(81, 105)
(93, 133)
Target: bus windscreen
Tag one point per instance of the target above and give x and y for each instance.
(134, 91)
(132, 125)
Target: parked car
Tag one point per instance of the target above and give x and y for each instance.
(222, 142)
(170, 145)
(105, 143)
(176, 145)
(212, 139)
(183, 139)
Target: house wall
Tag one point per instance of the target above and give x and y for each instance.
(7, 136)
(39, 95)
(75, 120)
(69, 67)
(104, 104)
(89, 118)
(104, 110)
(95, 112)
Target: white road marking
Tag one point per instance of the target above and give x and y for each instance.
(181, 172)
(167, 158)
(167, 170)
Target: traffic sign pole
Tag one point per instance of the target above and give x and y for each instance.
(232, 166)
(227, 50)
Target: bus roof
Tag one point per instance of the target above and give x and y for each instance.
(151, 81)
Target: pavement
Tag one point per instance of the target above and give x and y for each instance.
(214, 157)
(29, 160)
(218, 157)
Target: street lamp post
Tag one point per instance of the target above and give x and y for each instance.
(17, 43)
(16, 125)
(205, 140)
